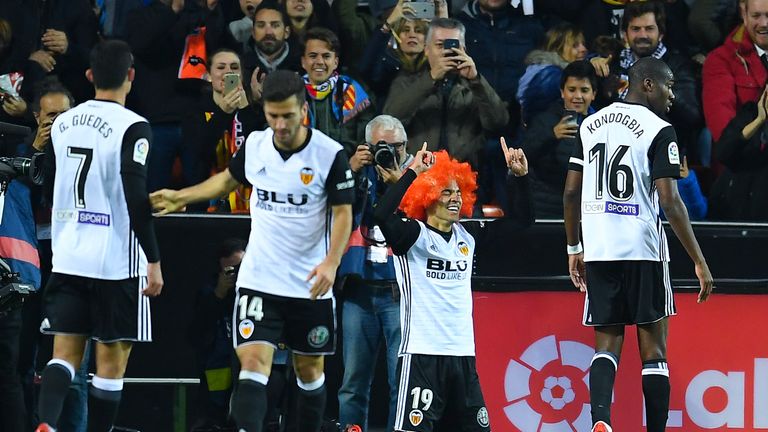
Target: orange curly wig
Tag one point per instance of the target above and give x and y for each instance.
(428, 186)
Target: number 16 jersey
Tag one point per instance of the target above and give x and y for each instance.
(621, 150)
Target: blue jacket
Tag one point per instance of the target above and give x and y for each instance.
(540, 85)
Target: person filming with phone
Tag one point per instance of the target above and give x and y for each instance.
(220, 122)
(447, 104)
(551, 135)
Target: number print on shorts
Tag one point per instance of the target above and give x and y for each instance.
(424, 396)
(252, 308)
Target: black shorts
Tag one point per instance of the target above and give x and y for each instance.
(306, 326)
(105, 310)
(627, 292)
(434, 389)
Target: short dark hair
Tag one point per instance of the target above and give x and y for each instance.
(275, 6)
(647, 68)
(322, 34)
(281, 85)
(49, 85)
(110, 61)
(581, 69)
(640, 8)
(230, 246)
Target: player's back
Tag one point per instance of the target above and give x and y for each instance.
(619, 201)
(91, 233)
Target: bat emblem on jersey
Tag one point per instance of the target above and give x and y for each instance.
(307, 174)
(416, 417)
(464, 248)
(245, 328)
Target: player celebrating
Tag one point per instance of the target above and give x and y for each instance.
(301, 182)
(434, 268)
(632, 161)
(105, 255)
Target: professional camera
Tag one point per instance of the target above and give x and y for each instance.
(384, 155)
(12, 291)
(12, 167)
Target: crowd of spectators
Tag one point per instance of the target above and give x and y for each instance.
(529, 71)
(364, 59)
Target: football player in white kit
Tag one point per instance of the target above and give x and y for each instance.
(624, 168)
(434, 252)
(106, 262)
(301, 219)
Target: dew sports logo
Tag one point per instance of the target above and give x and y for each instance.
(547, 388)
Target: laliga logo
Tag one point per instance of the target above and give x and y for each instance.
(548, 388)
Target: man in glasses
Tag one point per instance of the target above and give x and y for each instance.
(371, 305)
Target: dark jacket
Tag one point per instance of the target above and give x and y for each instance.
(77, 20)
(498, 44)
(157, 36)
(741, 191)
(461, 119)
(548, 158)
(379, 64)
(250, 61)
(540, 85)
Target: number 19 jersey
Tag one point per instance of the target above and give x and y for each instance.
(621, 150)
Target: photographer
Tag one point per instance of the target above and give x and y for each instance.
(371, 299)
(18, 250)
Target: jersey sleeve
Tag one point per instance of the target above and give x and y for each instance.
(664, 155)
(237, 165)
(340, 184)
(576, 162)
(133, 172)
(400, 234)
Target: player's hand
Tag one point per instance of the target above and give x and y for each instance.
(706, 282)
(578, 271)
(361, 158)
(515, 158)
(154, 280)
(601, 65)
(324, 275)
(166, 201)
(565, 129)
(423, 160)
(389, 176)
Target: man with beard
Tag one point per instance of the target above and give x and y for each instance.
(268, 49)
(644, 26)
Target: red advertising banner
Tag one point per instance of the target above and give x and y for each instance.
(533, 357)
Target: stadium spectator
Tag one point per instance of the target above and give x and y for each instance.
(397, 44)
(338, 105)
(307, 14)
(733, 73)
(241, 28)
(449, 105)
(741, 191)
(710, 21)
(169, 50)
(371, 309)
(551, 137)
(219, 124)
(355, 28)
(17, 72)
(540, 86)
(268, 48)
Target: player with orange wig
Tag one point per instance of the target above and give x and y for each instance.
(426, 189)
(434, 273)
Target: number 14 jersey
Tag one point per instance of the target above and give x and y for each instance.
(621, 150)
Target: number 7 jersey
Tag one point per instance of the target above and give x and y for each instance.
(94, 144)
(620, 151)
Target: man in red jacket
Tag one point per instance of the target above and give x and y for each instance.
(734, 73)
